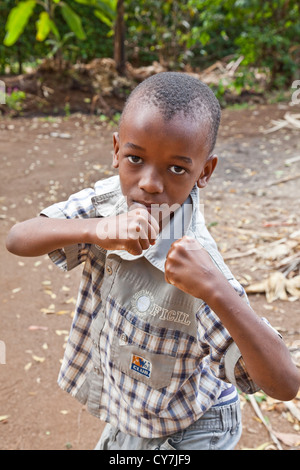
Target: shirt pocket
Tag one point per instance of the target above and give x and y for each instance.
(152, 368)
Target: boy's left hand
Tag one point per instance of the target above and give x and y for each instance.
(190, 268)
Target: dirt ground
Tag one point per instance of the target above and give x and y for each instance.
(43, 160)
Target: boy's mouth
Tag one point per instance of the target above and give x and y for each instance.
(150, 206)
(160, 212)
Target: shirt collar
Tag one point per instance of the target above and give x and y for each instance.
(184, 222)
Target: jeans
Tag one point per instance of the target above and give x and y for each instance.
(219, 428)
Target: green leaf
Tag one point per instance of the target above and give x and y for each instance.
(54, 30)
(43, 26)
(204, 37)
(109, 6)
(106, 9)
(73, 20)
(103, 18)
(17, 20)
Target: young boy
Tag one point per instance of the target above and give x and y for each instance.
(163, 333)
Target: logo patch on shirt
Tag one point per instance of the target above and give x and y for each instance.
(141, 365)
(143, 305)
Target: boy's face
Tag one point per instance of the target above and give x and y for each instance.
(159, 162)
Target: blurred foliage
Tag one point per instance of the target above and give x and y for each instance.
(90, 37)
(200, 32)
(194, 34)
(14, 99)
(20, 15)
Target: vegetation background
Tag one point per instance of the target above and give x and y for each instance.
(190, 35)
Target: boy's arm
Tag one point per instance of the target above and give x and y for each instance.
(190, 268)
(42, 235)
(133, 231)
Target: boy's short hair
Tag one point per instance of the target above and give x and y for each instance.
(177, 92)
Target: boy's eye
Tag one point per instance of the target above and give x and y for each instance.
(134, 159)
(177, 170)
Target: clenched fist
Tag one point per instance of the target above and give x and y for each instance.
(133, 231)
(190, 268)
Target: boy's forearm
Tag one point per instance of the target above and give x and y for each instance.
(133, 231)
(41, 235)
(267, 359)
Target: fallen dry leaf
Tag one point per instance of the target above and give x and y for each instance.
(289, 439)
(3, 418)
(65, 288)
(277, 286)
(61, 332)
(47, 311)
(17, 289)
(293, 409)
(37, 327)
(276, 252)
(62, 312)
(28, 366)
(260, 447)
(293, 286)
(38, 358)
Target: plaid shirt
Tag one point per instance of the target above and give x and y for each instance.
(144, 356)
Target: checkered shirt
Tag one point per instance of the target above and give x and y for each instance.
(143, 355)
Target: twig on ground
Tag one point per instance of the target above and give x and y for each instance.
(261, 417)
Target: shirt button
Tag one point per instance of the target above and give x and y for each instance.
(109, 270)
(97, 370)
(123, 339)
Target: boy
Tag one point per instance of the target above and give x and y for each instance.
(162, 333)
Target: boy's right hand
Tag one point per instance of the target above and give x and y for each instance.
(133, 231)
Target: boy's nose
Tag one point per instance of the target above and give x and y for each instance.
(151, 182)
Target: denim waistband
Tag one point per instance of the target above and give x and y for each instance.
(219, 417)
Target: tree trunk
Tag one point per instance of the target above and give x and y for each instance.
(20, 60)
(119, 44)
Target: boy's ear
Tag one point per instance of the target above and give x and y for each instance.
(116, 142)
(207, 171)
